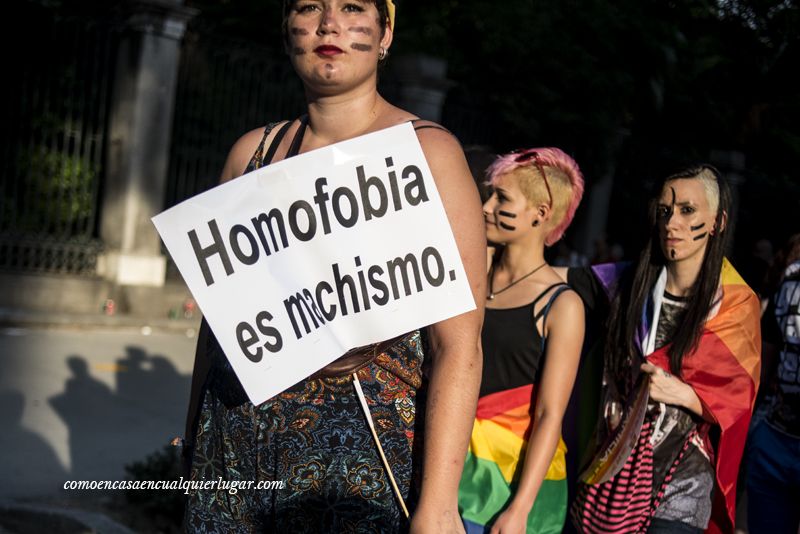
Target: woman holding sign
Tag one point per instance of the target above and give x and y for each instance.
(514, 476)
(681, 371)
(314, 436)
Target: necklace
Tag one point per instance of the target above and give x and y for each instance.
(493, 293)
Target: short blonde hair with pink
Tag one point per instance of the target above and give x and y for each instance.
(561, 186)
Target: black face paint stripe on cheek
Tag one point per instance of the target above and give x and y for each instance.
(298, 31)
(361, 47)
(505, 226)
(507, 214)
(672, 253)
(696, 228)
(361, 29)
(298, 51)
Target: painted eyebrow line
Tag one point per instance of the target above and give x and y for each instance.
(684, 203)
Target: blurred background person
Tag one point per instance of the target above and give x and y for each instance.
(773, 466)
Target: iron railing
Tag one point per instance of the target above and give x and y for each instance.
(225, 88)
(53, 142)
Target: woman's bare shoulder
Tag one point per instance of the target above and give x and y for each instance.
(439, 144)
(243, 149)
(567, 306)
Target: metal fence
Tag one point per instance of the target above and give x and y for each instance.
(55, 114)
(225, 88)
(53, 142)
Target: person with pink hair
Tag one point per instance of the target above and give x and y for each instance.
(514, 478)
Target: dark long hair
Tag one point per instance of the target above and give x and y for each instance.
(625, 314)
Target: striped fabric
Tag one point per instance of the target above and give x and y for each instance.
(624, 504)
(494, 460)
(724, 372)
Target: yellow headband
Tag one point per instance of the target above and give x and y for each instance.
(390, 10)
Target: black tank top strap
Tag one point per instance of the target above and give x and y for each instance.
(561, 287)
(260, 160)
(276, 141)
(294, 148)
(426, 126)
(540, 297)
(257, 161)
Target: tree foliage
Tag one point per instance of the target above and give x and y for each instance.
(632, 86)
(640, 86)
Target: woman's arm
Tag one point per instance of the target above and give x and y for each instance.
(565, 324)
(455, 344)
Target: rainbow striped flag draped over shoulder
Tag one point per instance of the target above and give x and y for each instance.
(494, 462)
(724, 372)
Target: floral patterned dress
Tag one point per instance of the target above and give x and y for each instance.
(314, 437)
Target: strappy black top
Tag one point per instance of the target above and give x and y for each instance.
(513, 350)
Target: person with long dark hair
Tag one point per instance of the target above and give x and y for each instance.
(314, 437)
(681, 366)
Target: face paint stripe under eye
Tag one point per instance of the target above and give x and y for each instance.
(361, 29)
(361, 47)
(696, 228)
(298, 31)
(701, 236)
(507, 214)
(505, 226)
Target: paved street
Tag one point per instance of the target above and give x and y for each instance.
(79, 404)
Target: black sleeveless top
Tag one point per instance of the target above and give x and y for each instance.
(513, 350)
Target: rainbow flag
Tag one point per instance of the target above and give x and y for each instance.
(724, 372)
(494, 461)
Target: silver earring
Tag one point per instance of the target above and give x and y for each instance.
(381, 54)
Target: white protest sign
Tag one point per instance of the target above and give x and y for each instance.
(298, 262)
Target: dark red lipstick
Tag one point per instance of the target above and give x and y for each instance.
(328, 50)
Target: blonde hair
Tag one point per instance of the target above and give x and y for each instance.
(533, 187)
(711, 186)
(563, 177)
